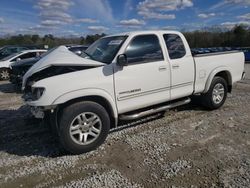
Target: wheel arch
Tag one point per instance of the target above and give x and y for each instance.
(99, 97)
(222, 72)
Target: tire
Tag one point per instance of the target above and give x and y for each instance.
(216, 95)
(4, 74)
(81, 119)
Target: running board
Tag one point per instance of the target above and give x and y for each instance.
(153, 110)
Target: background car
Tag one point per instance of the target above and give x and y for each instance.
(11, 49)
(5, 62)
(77, 49)
(18, 69)
(247, 56)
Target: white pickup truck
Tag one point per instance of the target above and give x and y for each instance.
(124, 77)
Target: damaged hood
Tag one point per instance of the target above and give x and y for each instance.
(61, 56)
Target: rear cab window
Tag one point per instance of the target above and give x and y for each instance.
(143, 49)
(175, 46)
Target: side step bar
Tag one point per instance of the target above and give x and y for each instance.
(154, 110)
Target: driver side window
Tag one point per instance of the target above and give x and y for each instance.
(143, 49)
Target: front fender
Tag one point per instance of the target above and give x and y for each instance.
(213, 74)
(87, 93)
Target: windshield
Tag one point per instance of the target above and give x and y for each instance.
(104, 49)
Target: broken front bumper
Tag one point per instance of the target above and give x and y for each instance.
(37, 112)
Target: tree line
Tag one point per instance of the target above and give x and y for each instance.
(49, 40)
(239, 36)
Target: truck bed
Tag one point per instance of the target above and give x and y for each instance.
(214, 53)
(209, 63)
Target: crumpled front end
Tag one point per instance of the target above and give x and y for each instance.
(60, 61)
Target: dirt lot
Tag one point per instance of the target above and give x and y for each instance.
(188, 147)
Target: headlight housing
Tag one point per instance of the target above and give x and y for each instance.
(37, 93)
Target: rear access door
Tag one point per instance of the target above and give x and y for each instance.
(181, 64)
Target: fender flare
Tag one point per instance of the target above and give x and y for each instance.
(88, 92)
(212, 75)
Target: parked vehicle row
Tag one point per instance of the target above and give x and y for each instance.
(77, 49)
(18, 69)
(222, 49)
(247, 54)
(124, 77)
(11, 49)
(16, 57)
(14, 66)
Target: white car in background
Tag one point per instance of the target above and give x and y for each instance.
(7, 61)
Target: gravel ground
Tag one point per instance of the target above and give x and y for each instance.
(188, 147)
(247, 69)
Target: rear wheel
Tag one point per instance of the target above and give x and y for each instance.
(4, 74)
(83, 127)
(216, 95)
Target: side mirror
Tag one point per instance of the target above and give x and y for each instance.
(122, 60)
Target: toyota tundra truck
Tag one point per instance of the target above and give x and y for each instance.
(124, 77)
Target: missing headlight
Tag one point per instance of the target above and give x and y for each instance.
(37, 93)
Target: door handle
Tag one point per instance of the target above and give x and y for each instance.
(175, 66)
(162, 68)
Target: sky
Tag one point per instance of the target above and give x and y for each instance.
(82, 17)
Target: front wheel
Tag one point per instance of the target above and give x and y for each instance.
(216, 95)
(4, 74)
(83, 127)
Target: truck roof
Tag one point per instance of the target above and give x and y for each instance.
(144, 32)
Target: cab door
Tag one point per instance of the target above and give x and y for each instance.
(145, 80)
(181, 65)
